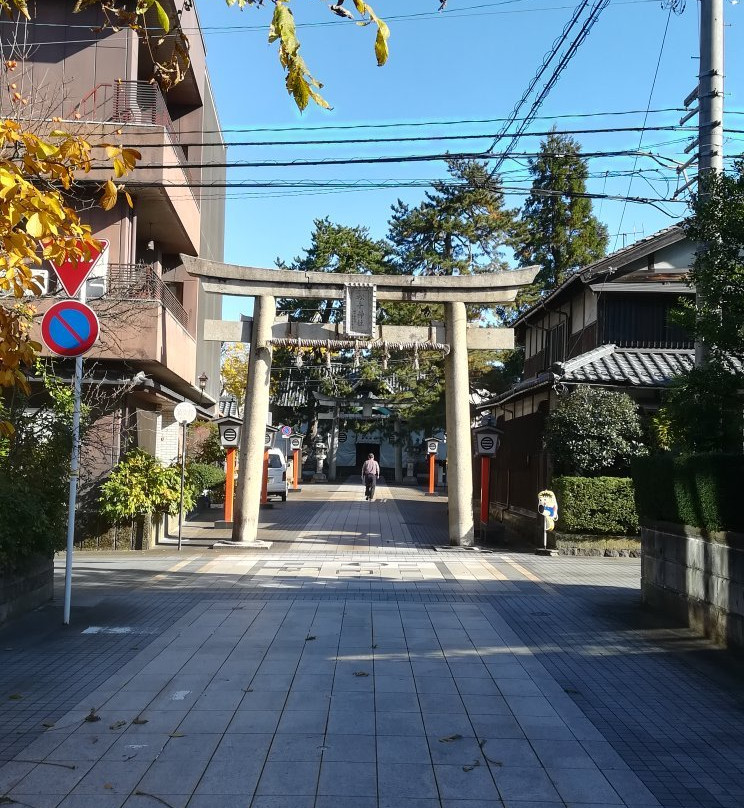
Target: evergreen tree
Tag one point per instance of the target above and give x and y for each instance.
(561, 233)
(334, 248)
(459, 229)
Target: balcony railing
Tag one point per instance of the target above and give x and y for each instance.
(133, 102)
(141, 282)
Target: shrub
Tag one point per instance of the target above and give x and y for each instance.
(141, 485)
(594, 431)
(34, 478)
(596, 505)
(202, 476)
(203, 443)
(701, 490)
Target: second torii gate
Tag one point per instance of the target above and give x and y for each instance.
(265, 285)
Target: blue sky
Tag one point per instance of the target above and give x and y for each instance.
(472, 62)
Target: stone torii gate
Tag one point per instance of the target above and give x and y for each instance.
(454, 339)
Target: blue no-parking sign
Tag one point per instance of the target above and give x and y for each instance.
(69, 328)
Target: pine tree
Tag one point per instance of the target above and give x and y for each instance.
(334, 248)
(459, 229)
(561, 232)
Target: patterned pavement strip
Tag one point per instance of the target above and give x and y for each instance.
(351, 673)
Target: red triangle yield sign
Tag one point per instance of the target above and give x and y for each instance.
(73, 271)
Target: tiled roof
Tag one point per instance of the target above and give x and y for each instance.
(634, 367)
(229, 406)
(669, 235)
(609, 365)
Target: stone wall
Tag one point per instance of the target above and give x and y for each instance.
(25, 590)
(698, 579)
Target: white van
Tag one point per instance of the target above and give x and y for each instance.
(277, 483)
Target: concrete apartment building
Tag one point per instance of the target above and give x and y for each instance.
(99, 82)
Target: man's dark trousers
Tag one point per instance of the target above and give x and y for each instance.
(370, 483)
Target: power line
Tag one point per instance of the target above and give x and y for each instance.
(452, 13)
(648, 106)
(414, 124)
(430, 138)
(597, 9)
(408, 158)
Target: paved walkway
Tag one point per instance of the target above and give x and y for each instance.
(337, 519)
(348, 666)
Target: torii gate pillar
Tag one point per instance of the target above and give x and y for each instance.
(245, 519)
(457, 409)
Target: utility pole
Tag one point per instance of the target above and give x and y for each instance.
(710, 89)
(710, 115)
(709, 142)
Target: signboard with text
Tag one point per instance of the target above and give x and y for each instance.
(360, 309)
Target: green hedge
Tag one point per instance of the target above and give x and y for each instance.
(701, 490)
(596, 505)
(202, 476)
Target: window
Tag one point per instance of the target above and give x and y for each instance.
(555, 344)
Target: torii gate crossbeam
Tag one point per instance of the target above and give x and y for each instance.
(268, 284)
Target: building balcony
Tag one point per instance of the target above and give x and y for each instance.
(135, 114)
(142, 322)
(138, 282)
(126, 102)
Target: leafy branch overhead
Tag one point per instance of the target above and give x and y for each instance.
(161, 31)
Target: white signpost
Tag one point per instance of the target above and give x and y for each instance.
(184, 413)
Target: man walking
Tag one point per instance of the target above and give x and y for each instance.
(370, 473)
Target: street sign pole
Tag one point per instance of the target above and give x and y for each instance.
(184, 413)
(183, 476)
(74, 476)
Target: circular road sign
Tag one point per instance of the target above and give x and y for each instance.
(69, 328)
(286, 431)
(185, 412)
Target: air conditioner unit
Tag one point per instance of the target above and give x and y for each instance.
(95, 287)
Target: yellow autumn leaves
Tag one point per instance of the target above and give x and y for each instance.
(301, 85)
(38, 223)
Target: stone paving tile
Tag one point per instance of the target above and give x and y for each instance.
(405, 780)
(408, 802)
(283, 802)
(300, 779)
(525, 783)
(93, 801)
(111, 776)
(399, 724)
(454, 782)
(344, 779)
(58, 778)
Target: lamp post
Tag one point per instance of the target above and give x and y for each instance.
(321, 451)
(184, 413)
(295, 444)
(229, 439)
(487, 441)
(432, 447)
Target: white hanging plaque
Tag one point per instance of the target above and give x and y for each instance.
(360, 309)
